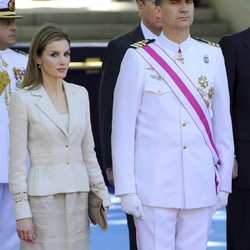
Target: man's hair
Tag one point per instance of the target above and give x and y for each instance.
(158, 2)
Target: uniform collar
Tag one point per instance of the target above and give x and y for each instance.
(170, 45)
(3, 52)
(147, 33)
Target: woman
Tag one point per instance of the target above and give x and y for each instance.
(51, 118)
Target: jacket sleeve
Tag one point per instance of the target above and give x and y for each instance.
(127, 101)
(96, 180)
(18, 125)
(222, 125)
(110, 70)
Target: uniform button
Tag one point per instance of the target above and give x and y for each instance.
(184, 124)
(66, 146)
(184, 146)
(67, 162)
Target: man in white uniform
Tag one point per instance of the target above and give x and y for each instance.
(12, 69)
(172, 128)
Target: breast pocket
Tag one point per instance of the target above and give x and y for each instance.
(159, 88)
(157, 99)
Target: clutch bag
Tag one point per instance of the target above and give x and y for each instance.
(97, 213)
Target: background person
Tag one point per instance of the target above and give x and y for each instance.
(12, 69)
(236, 51)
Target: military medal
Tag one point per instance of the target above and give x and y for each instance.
(206, 92)
(19, 73)
(179, 56)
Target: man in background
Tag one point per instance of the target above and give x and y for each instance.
(236, 51)
(149, 28)
(12, 69)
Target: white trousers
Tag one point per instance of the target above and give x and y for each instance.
(8, 236)
(173, 229)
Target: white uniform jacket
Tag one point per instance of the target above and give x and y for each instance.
(61, 161)
(14, 63)
(157, 150)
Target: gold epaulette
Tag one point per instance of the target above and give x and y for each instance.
(141, 43)
(206, 41)
(21, 52)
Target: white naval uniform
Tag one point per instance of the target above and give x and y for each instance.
(157, 150)
(8, 236)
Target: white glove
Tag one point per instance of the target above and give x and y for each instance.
(221, 201)
(131, 204)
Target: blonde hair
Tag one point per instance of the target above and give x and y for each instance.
(45, 35)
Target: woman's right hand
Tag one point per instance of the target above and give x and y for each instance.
(25, 229)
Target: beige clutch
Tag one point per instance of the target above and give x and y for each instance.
(97, 213)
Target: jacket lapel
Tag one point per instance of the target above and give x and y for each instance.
(73, 105)
(47, 107)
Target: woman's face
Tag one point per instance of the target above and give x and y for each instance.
(55, 60)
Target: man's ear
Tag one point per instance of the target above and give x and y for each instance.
(140, 5)
(157, 10)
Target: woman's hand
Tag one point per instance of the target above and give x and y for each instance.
(25, 229)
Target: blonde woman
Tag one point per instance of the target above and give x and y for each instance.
(51, 118)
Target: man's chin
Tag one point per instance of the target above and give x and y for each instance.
(12, 41)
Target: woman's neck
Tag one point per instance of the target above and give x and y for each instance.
(54, 87)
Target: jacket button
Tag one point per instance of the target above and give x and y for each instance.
(184, 124)
(184, 146)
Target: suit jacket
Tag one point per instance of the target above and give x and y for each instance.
(155, 140)
(61, 160)
(110, 70)
(236, 50)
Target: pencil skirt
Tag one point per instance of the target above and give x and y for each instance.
(61, 222)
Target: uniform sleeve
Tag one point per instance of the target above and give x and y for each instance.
(222, 126)
(127, 99)
(110, 70)
(18, 125)
(89, 157)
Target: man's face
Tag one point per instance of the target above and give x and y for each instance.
(148, 15)
(177, 15)
(7, 33)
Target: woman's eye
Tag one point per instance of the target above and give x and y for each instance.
(53, 54)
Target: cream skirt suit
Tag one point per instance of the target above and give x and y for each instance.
(63, 167)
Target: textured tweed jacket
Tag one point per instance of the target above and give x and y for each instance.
(61, 160)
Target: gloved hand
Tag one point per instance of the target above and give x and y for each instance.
(131, 204)
(221, 202)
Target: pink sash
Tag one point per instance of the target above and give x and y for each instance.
(185, 91)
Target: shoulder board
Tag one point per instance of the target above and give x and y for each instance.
(141, 43)
(206, 41)
(21, 52)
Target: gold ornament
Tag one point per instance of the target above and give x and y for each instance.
(11, 5)
(4, 80)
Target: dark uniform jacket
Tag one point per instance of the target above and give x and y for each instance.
(110, 70)
(236, 50)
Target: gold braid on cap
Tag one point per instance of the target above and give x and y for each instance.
(11, 5)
